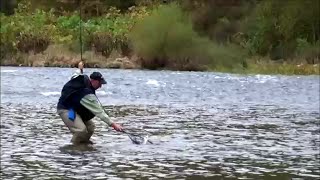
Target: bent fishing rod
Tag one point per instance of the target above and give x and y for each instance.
(133, 137)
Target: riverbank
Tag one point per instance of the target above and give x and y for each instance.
(58, 56)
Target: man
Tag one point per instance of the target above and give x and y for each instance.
(78, 104)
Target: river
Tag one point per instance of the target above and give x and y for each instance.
(203, 126)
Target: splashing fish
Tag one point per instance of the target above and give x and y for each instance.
(138, 139)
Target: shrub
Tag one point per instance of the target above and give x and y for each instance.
(309, 52)
(101, 42)
(275, 26)
(26, 32)
(166, 39)
(123, 45)
(30, 42)
(165, 35)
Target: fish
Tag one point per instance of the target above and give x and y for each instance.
(136, 139)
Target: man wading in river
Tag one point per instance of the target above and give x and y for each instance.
(78, 104)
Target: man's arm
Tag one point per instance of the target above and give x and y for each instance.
(91, 102)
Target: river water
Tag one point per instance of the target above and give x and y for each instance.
(202, 125)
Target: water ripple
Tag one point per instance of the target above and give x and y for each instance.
(188, 143)
(203, 126)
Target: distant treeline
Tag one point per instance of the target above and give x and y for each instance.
(179, 34)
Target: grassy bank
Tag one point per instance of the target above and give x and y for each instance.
(146, 37)
(272, 67)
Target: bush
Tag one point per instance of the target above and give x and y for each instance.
(275, 26)
(33, 30)
(102, 42)
(123, 45)
(151, 36)
(166, 39)
(27, 32)
(29, 42)
(309, 52)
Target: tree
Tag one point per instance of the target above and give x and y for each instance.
(7, 6)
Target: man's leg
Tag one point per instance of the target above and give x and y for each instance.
(90, 128)
(76, 127)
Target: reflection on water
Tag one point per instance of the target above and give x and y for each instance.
(202, 125)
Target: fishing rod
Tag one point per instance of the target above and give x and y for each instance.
(136, 139)
(80, 29)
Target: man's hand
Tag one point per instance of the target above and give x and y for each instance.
(80, 66)
(117, 127)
